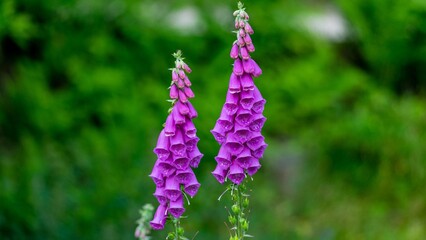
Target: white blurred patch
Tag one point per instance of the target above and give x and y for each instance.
(187, 21)
(329, 25)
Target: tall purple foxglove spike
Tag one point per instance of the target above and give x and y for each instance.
(176, 149)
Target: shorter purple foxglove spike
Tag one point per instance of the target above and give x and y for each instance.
(257, 70)
(250, 47)
(236, 174)
(191, 143)
(238, 67)
(258, 153)
(184, 176)
(172, 189)
(259, 102)
(166, 168)
(245, 158)
(223, 158)
(247, 99)
(219, 134)
(189, 128)
(169, 128)
(243, 117)
(220, 173)
(181, 162)
(188, 92)
(182, 97)
(159, 218)
(248, 66)
(174, 91)
(175, 76)
(187, 82)
(234, 84)
(247, 82)
(160, 195)
(157, 177)
(192, 112)
(244, 53)
(233, 146)
(187, 68)
(242, 134)
(258, 120)
(231, 103)
(247, 39)
(256, 141)
(183, 108)
(181, 74)
(241, 32)
(176, 208)
(162, 148)
(192, 187)
(178, 118)
(248, 28)
(234, 51)
(254, 166)
(195, 157)
(177, 144)
(225, 121)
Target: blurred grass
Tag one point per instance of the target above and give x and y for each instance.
(83, 87)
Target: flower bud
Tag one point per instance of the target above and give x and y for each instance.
(235, 209)
(232, 219)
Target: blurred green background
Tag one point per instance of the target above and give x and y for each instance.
(83, 85)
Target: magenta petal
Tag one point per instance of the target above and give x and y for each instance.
(247, 99)
(195, 157)
(240, 41)
(231, 103)
(159, 218)
(181, 74)
(183, 108)
(242, 133)
(169, 128)
(257, 123)
(156, 176)
(242, 32)
(234, 84)
(259, 102)
(247, 39)
(166, 168)
(175, 76)
(191, 143)
(238, 67)
(176, 208)
(189, 128)
(180, 83)
(187, 68)
(250, 47)
(220, 173)
(236, 174)
(223, 158)
(254, 166)
(258, 153)
(162, 148)
(192, 187)
(182, 97)
(177, 116)
(234, 51)
(160, 195)
(174, 91)
(219, 134)
(244, 53)
(247, 82)
(245, 158)
(192, 112)
(225, 121)
(248, 66)
(232, 145)
(181, 162)
(255, 141)
(172, 189)
(184, 176)
(243, 117)
(188, 92)
(177, 144)
(186, 81)
(248, 28)
(256, 69)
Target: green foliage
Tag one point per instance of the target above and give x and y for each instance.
(83, 86)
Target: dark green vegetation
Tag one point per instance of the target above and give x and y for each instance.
(83, 86)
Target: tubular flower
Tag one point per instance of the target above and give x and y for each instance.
(238, 129)
(176, 150)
